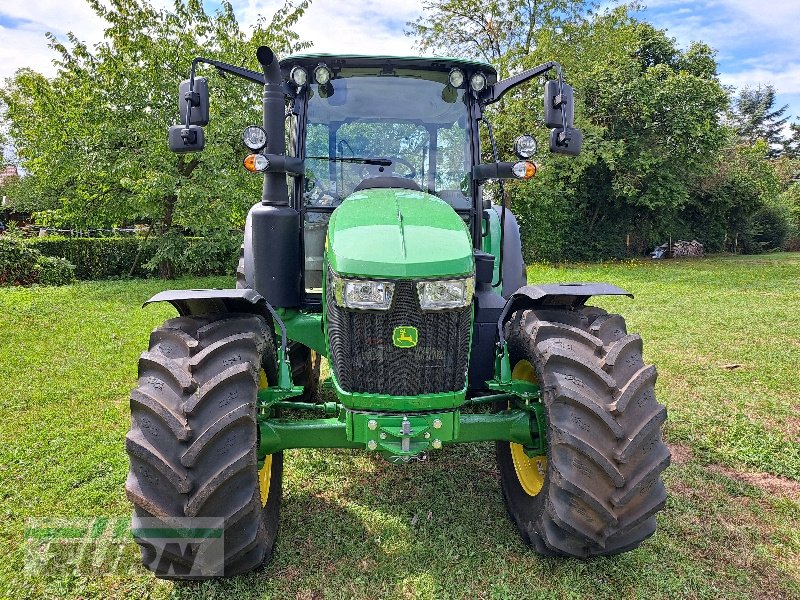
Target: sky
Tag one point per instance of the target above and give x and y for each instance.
(758, 41)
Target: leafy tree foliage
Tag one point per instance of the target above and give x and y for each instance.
(501, 32)
(93, 139)
(658, 159)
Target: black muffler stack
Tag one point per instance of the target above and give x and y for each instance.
(274, 225)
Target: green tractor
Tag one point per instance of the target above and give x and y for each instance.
(375, 246)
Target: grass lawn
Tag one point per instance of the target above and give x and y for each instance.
(724, 333)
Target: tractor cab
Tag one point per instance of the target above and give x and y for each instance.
(379, 123)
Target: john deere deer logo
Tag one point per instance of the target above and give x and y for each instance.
(405, 336)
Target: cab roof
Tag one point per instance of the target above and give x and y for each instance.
(437, 63)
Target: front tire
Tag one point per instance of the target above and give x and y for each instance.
(599, 485)
(193, 441)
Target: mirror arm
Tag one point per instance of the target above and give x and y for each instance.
(499, 89)
(247, 74)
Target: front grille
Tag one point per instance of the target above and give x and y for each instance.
(365, 359)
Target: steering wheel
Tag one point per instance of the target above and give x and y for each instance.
(396, 160)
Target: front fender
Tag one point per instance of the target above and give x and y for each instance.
(562, 295)
(201, 302)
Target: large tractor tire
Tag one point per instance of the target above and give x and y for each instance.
(305, 362)
(194, 436)
(598, 488)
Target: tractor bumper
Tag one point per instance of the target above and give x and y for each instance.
(401, 437)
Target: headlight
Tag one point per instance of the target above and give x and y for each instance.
(363, 293)
(323, 74)
(440, 295)
(524, 169)
(525, 146)
(256, 163)
(299, 76)
(254, 137)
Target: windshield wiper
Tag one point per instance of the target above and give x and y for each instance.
(381, 162)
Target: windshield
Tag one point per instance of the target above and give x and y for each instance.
(372, 122)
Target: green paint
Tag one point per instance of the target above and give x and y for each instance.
(304, 327)
(384, 433)
(491, 244)
(405, 336)
(398, 233)
(285, 387)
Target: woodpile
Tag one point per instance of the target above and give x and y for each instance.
(682, 248)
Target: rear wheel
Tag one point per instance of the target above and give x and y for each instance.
(598, 488)
(194, 437)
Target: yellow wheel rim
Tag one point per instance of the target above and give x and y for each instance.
(265, 473)
(530, 469)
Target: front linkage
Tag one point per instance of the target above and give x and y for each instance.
(403, 437)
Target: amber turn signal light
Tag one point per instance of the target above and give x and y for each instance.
(256, 163)
(524, 169)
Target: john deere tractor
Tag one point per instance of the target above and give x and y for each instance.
(375, 246)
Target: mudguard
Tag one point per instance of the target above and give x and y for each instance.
(514, 273)
(200, 302)
(563, 295)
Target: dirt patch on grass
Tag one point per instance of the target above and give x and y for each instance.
(681, 453)
(772, 484)
(793, 424)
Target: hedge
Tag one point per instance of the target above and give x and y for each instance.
(97, 258)
(21, 264)
(113, 257)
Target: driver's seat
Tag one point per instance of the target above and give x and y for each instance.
(387, 182)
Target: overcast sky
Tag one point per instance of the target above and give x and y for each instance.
(758, 42)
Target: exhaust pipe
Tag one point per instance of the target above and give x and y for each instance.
(275, 190)
(272, 232)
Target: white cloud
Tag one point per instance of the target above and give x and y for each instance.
(346, 26)
(25, 45)
(787, 80)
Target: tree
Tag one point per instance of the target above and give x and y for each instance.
(649, 112)
(791, 145)
(500, 32)
(93, 137)
(754, 117)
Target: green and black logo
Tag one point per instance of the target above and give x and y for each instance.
(405, 336)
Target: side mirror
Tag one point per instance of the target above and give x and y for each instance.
(555, 102)
(186, 139)
(199, 99)
(567, 141)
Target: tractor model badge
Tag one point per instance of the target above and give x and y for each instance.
(405, 336)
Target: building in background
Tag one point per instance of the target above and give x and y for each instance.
(8, 172)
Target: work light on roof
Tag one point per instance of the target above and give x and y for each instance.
(478, 82)
(299, 76)
(322, 74)
(456, 78)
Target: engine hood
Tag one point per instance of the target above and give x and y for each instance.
(388, 232)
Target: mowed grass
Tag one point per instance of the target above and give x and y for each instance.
(353, 526)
